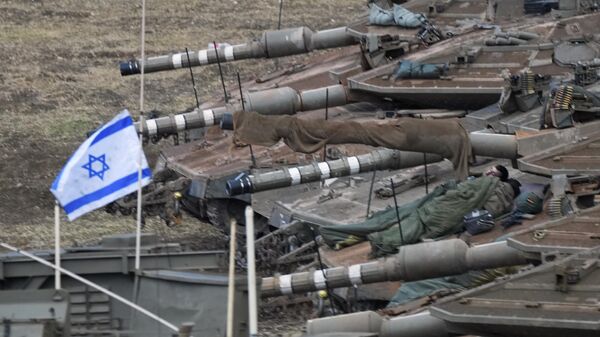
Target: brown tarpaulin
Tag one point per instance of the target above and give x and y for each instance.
(444, 137)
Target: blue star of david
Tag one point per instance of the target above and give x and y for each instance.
(90, 166)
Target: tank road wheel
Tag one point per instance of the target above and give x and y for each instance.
(193, 206)
(218, 214)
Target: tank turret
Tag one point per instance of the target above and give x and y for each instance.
(536, 302)
(272, 44)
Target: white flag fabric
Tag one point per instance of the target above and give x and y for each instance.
(104, 168)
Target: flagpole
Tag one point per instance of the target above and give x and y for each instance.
(57, 283)
(138, 227)
(231, 283)
(252, 302)
(138, 230)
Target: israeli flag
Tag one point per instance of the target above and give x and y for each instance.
(104, 168)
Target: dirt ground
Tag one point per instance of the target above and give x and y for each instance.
(60, 79)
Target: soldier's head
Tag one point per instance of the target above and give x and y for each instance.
(498, 171)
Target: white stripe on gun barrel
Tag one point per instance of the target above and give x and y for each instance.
(354, 165)
(295, 174)
(285, 284)
(319, 279)
(354, 274)
(325, 171)
(176, 59)
(180, 122)
(229, 53)
(203, 56)
(209, 117)
(152, 127)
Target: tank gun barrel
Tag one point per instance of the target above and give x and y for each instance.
(384, 159)
(277, 101)
(276, 43)
(413, 262)
(484, 144)
(287, 101)
(174, 123)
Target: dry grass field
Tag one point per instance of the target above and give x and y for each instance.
(59, 79)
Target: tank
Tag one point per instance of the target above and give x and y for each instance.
(450, 257)
(541, 297)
